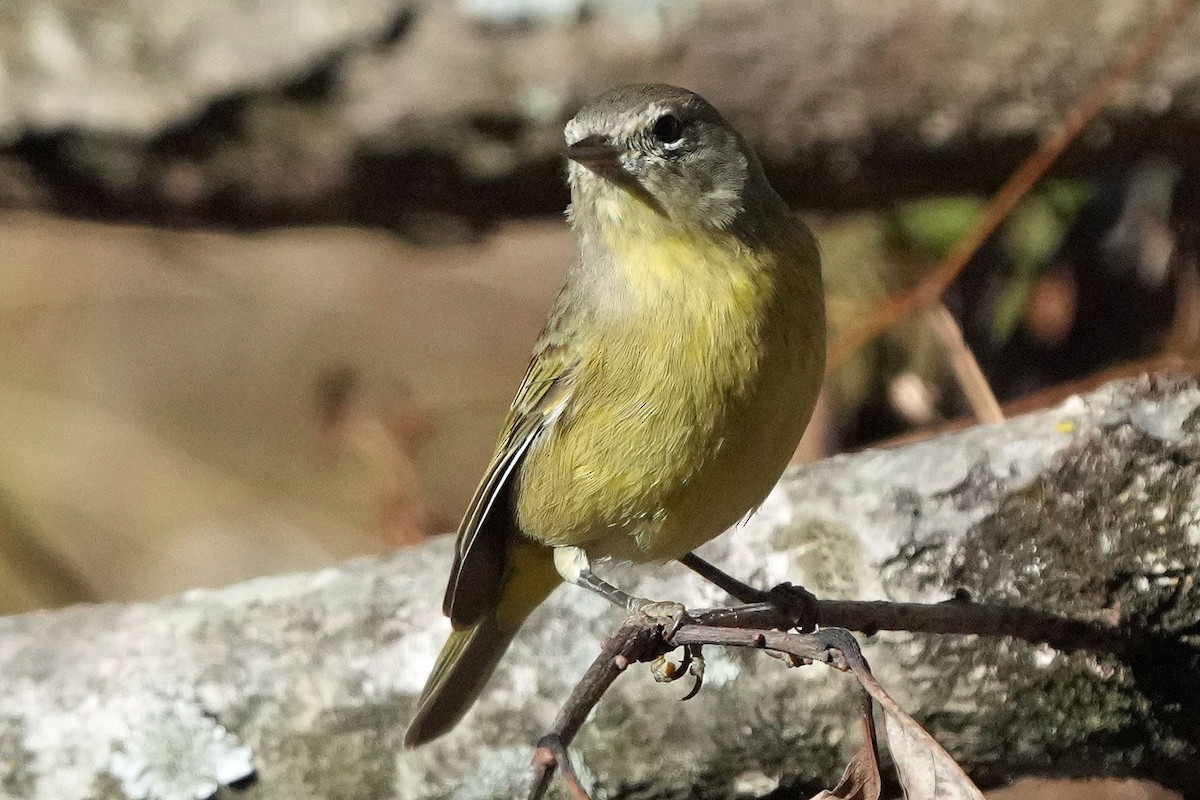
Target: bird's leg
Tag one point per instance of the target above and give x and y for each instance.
(795, 602)
(574, 566)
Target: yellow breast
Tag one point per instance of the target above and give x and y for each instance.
(686, 407)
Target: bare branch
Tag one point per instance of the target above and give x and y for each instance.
(925, 768)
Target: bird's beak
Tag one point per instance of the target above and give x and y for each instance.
(595, 153)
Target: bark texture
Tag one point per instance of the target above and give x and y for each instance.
(403, 112)
(300, 686)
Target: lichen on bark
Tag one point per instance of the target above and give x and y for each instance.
(1107, 530)
(1087, 509)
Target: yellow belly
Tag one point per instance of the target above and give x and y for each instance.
(680, 422)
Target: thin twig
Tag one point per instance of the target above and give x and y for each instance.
(970, 377)
(965, 617)
(1155, 367)
(552, 751)
(957, 616)
(643, 638)
(934, 285)
(763, 626)
(961, 617)
(635, 641)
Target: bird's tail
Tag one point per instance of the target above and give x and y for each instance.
(471, 654)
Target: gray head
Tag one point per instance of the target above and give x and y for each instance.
(666, 147)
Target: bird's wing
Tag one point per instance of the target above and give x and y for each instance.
(489, 525)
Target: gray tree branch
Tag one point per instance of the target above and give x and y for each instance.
(301, 685)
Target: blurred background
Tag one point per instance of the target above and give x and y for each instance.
(270, 269)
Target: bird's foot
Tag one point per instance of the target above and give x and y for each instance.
(797, 604)
(670, 615)
(665, 671)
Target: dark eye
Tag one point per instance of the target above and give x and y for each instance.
(667, 129)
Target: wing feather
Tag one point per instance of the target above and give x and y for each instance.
(490, 525)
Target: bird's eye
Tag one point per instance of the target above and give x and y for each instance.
(667, 129)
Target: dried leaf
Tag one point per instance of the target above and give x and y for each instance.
(927, 771)
(861, 780)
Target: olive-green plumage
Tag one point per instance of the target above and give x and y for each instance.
(669, 388)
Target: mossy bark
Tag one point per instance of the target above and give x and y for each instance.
(300, 686)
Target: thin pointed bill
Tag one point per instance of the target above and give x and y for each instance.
(594, 152)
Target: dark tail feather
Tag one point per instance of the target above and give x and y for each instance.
(470, 654)
(462, 669)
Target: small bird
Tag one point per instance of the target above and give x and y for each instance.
(674, 378)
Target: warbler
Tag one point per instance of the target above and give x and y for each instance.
(670, 386)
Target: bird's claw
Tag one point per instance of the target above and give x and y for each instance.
(797, 604)
(665, 671)
(696, 669)
(671, 615)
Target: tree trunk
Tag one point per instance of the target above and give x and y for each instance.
(301, 685)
